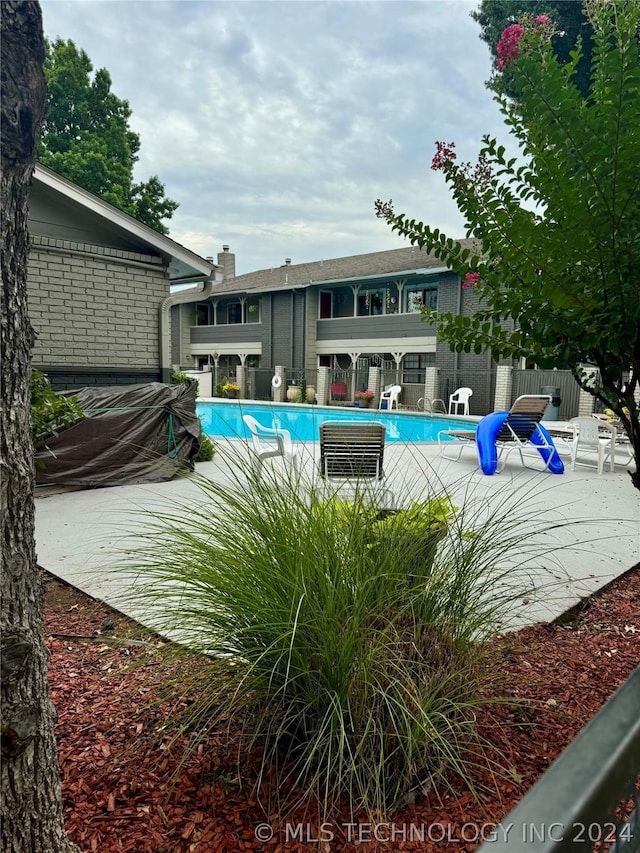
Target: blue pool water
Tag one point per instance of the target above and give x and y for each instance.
(223, 419)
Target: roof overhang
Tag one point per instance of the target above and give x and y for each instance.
(183, 265)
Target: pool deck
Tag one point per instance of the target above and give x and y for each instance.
(588, 525)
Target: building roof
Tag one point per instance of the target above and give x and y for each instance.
(183, 264)
(409, 260)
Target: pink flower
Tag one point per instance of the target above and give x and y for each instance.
(542, 20)
(470, 279)
(444, 155)
(509, 45)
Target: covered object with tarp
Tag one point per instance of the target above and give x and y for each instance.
(130, 434)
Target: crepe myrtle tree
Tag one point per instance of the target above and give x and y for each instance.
(495, 15)
(556, 263)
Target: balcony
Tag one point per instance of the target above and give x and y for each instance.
(232, 333)
(386, 328)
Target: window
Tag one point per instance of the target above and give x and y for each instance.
(326, 305)
(422, 297)
(414, 365)
(383, 300)
(204, 313)
(234, 312)
(371, 303)
(253, 310)
(342, 302)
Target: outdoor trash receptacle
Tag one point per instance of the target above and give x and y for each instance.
(553, 409)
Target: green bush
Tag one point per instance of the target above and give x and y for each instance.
(179, 376)
(50, 412)
(350, 636)
(219, 389)
(207, 449)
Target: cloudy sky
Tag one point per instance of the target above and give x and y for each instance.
(276, 124)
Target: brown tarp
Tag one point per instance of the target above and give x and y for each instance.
(131, 434)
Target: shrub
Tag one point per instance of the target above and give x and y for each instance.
(220, 385)
(179, 376)
(50, 412)
(350, 635)
(207, 449)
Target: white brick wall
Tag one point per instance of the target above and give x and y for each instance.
(504, 384)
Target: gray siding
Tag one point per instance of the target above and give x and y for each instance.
(476, 371)
(187, 320)
(299, 315)
(228, 333)
(386, 327)
(285, 336)
(312, 299)
(94, 306)
(53, 215)
(449, 299)
(266, 316)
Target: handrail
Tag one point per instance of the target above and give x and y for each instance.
(573, 805)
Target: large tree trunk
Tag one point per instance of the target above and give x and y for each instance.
(31, 803)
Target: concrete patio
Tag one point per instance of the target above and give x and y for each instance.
(583, 528)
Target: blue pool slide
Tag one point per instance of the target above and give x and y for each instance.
(487, 432)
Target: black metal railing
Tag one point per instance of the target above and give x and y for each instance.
(588, 799)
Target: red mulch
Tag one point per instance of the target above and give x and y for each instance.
(123, 792)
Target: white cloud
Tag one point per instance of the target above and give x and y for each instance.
(276, 124)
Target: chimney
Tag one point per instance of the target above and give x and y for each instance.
(227, 262)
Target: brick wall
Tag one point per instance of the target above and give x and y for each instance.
(448, 300)
(68, 379)
(95, 308)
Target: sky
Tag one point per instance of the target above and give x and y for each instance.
(276, 125)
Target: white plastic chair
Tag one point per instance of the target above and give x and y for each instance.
(593, 435)
(460, 398)
(269, 442)
(390, 395)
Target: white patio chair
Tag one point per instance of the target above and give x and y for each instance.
(460, 398)
(596, 436)
(390, 396)
(268, 443)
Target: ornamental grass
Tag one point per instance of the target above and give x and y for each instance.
(346, 640)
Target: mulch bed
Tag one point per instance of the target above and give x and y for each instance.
(124, 787)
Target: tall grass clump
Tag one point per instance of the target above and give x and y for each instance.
(350, 636)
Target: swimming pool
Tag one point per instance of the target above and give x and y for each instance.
(223, 419)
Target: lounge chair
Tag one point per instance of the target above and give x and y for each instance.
(499, 433)
(460, 398)
(390, 397)
(268, 443)
(352, 454)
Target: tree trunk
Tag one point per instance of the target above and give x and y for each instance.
(31, 801)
